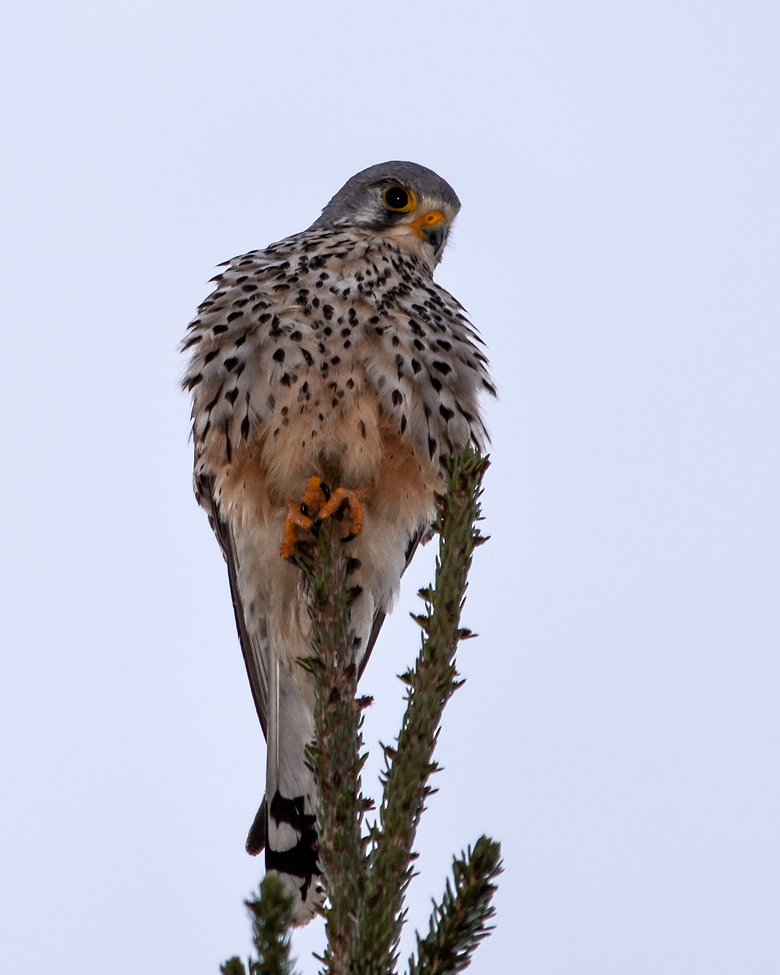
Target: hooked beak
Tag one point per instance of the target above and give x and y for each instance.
(432, 227)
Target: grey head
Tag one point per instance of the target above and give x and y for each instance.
(401, 200)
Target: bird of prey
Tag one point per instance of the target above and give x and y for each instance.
(331, 355)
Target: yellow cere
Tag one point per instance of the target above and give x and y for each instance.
(431, 219)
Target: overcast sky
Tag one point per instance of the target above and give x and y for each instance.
(619, 727)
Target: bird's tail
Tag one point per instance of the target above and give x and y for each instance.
(285, 823)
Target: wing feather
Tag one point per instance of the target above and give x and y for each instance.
(420, 538)
(254, 643)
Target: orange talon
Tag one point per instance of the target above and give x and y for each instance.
(315, 496)
(296, 520)
(302, 515)
(317, 505)
(351, 525)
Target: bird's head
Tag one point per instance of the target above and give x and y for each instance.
(401, 201)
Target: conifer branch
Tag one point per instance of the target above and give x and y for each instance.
(430, 685)
(459, 922)
(335, 755)
(271, 913)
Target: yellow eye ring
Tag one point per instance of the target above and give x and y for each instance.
(399, 199)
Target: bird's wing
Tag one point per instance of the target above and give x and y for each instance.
(421, 537)
(254, 643)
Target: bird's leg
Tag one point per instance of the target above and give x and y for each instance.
(344, 503)
(317, 505)
(303, 516)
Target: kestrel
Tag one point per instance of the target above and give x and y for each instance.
(330, 355)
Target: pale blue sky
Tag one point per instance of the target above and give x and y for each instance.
(618, 248)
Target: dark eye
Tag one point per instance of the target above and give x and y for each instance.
(398, 199)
